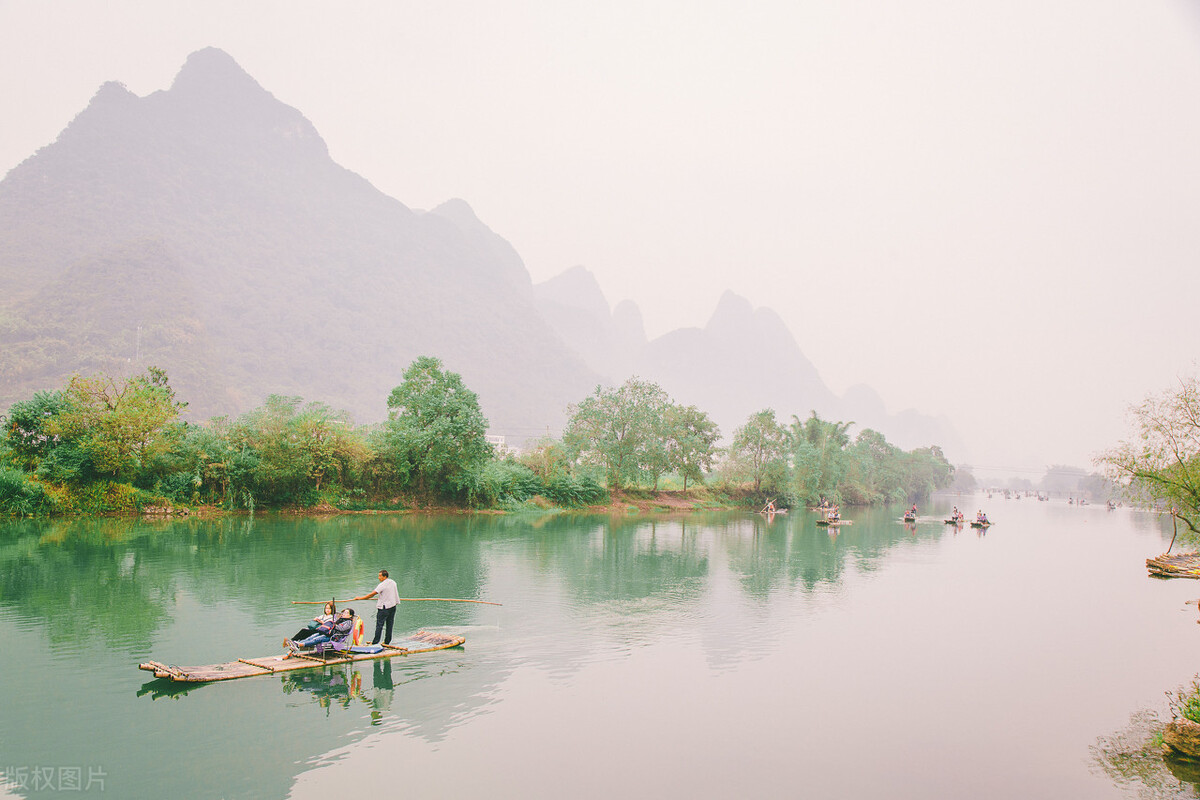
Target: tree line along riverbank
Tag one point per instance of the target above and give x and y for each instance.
(103, 445)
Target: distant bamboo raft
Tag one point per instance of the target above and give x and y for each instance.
(1183, 565)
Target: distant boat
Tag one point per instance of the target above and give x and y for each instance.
(981, 524)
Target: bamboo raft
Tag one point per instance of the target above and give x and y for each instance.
(1182, 565)
(832, 522)
(419, 642)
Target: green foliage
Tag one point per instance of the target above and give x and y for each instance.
(118, 425)
(819, 458)
(635, 433)
(814, 459)
(20, 496)
(874, 472)
(284, 452)
(693, 441)
(546, 457)
(509, 484)
(106, 446)
(1161, 465)
(617, 429)
(759, 451)
(97, 428)
(436, 430)
(98, 497)
(1184, 702)
(575, 491)
(25, 430)
(504, 482)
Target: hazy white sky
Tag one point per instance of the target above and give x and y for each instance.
(987, 210)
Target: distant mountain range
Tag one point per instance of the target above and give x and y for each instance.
(205, 229)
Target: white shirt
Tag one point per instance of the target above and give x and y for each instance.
(388, 594)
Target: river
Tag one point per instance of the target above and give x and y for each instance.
(701, 656)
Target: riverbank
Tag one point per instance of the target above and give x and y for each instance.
(622, 502)
(111, 499)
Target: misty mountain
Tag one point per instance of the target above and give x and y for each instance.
(211, 217)
(206, 230)
(742, 361)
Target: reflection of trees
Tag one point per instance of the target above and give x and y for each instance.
(117, 580)
(110, 590)
(81, 578)
(1132, 758)
(796, 552)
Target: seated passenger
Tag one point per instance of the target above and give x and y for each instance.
(334, 631)
(314, 626)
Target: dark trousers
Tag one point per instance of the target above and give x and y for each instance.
(384, 616)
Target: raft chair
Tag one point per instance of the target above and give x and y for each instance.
(352, 643)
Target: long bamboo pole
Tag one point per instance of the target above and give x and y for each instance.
(403, 600)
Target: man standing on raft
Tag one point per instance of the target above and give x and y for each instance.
(385, 608)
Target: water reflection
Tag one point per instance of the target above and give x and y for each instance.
(1133, 759)
(85, 601)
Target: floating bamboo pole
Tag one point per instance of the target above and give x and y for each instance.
(403, 600)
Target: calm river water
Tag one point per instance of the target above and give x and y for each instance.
(705, 656)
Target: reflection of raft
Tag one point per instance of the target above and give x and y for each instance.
(1182, 565)
(419, 642)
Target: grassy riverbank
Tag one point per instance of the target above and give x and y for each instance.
(123, 500)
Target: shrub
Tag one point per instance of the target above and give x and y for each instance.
(178, 486)
(504, 483)
(21, 496)
(101, 497)
(571, 491)
(1185, 702)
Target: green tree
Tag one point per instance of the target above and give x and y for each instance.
(927, 471)
(1161, 464)
(111, 428)
(759, 449)
(618, 429)
(657, 455)
(281, 464)
(213, 463)
(819, 461)
(693, 441)
(874, 474)
(436, 429)
(546, 457)
(25, 429)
